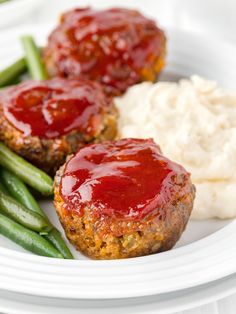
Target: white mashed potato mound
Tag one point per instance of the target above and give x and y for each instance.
(194, 122)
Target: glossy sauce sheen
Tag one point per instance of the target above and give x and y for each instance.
(127, 179)
(116, 46)
(50, 109)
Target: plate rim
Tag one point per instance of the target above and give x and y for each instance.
(198, 296)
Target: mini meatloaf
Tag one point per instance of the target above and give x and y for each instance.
(116, 47)
(123, 199)
(44, 121)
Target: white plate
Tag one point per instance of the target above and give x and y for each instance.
(13, 303)
(200, 262)
(15, 11)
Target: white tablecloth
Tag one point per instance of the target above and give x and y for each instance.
(225, 306)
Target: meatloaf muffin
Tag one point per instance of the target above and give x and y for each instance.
(116, 47)
(123, 199)
(47, 120)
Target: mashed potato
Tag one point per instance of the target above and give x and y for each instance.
(194, 122)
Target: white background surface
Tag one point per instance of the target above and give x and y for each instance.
(216, 17)
(226, 306)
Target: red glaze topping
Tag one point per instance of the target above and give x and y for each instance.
(126, 179)
(117, 47)
(52, 108)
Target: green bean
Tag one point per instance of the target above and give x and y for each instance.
(11, 74)
(33, 58)
(54, 236)
(20, 192)
(23, 215)
(3, 188)
(28, 239)
(28, 173)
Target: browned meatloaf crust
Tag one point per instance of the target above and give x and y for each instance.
(50, 153)
(112, 238)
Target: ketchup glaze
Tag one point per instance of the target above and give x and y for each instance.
(52, 108)
(125, 179)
